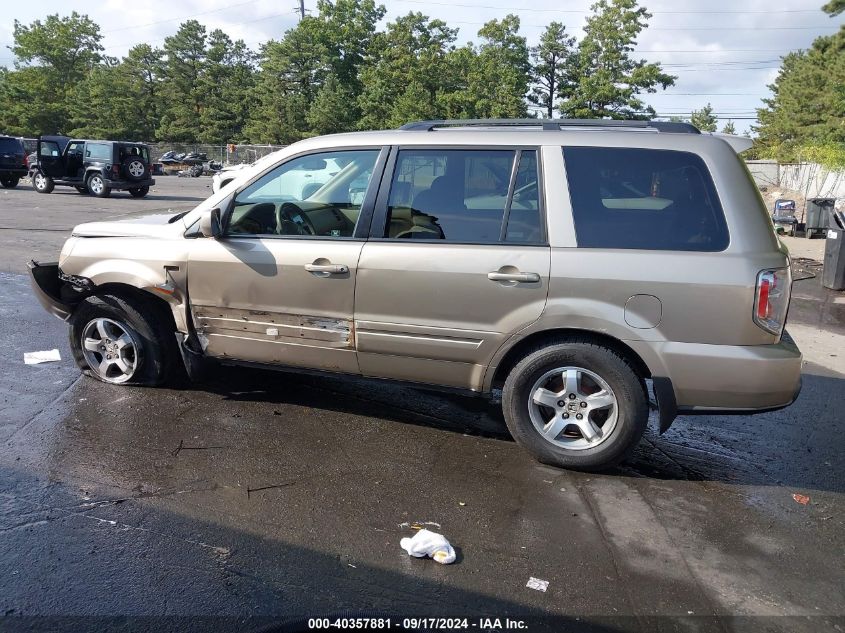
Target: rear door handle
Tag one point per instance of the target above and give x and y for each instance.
(329, 269)
(522, 278)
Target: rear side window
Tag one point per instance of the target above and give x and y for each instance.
(643, 199)
(98, 151)
(11, 146)
(466, 196)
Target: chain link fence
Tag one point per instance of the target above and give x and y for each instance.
(216, 153)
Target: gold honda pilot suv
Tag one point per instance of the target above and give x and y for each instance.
(582, 267)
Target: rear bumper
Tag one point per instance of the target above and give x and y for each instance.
(17, 172)
(47, 286)
(129, 184)
(727, 378)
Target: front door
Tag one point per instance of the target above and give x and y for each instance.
(458, 262)
(279, 286)
(50, 159)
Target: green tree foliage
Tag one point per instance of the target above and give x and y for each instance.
(552, 68)
(729, 128)
(499, 77)
(834, 7)
(226, 85)
(807, 106)
(143, 65)
(104, 105)
(608, 79)
(405, 72)
(704, 119)
(292, 71)
(336, 70)
(183, 90)
(53, 55)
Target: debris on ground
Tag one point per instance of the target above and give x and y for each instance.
(802, 499)
(418, 525)
(47, 356)
(427, 543)
(536, 583)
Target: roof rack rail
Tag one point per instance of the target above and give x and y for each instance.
(671, 127)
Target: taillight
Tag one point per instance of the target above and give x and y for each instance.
(772, 299)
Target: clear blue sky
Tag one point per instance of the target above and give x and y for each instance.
(723, 52)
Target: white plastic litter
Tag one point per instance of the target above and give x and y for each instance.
(536, 583)
(426, 543)
(48, 356)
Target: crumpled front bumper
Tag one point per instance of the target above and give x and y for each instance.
(47, 287)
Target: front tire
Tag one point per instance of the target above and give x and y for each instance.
(123, 340)
(10, 183)
(42, 183)
(97, 186)
(138, 192)
(575, 404)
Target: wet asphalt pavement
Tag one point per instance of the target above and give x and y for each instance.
(260, 495)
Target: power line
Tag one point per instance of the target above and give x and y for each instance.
(533, 10)
(184, 17)
(692, 28)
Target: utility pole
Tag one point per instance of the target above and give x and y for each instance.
(301, 9)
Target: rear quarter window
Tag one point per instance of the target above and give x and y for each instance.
(98, 151)
(646, 199)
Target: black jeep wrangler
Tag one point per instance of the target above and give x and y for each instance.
(12, 161)
(94, 167)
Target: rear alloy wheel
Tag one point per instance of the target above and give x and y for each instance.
(575, 404)
(42, 183)
(138, 192)
(97, 186)
(10, 183)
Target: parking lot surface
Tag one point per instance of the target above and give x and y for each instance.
(258, 496)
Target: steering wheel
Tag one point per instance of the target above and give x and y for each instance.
(287, 225)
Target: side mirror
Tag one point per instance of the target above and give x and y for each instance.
(210, 225)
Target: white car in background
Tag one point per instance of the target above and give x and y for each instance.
(298, 183)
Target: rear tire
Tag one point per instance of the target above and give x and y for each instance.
(138, 192)
(10, 183)
(97, 186)
(100, 323)
(603, 435)
(42, 183)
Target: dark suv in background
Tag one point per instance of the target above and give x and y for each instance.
(12, 161)
(95, 167)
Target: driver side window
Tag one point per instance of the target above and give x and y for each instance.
(318, 195)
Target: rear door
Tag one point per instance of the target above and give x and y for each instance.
(279, 286)
(457, 261)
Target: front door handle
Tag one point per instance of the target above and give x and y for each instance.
(327, 269)
(522, 278)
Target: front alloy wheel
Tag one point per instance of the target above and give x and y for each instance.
(42, 183)
(110, 350)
